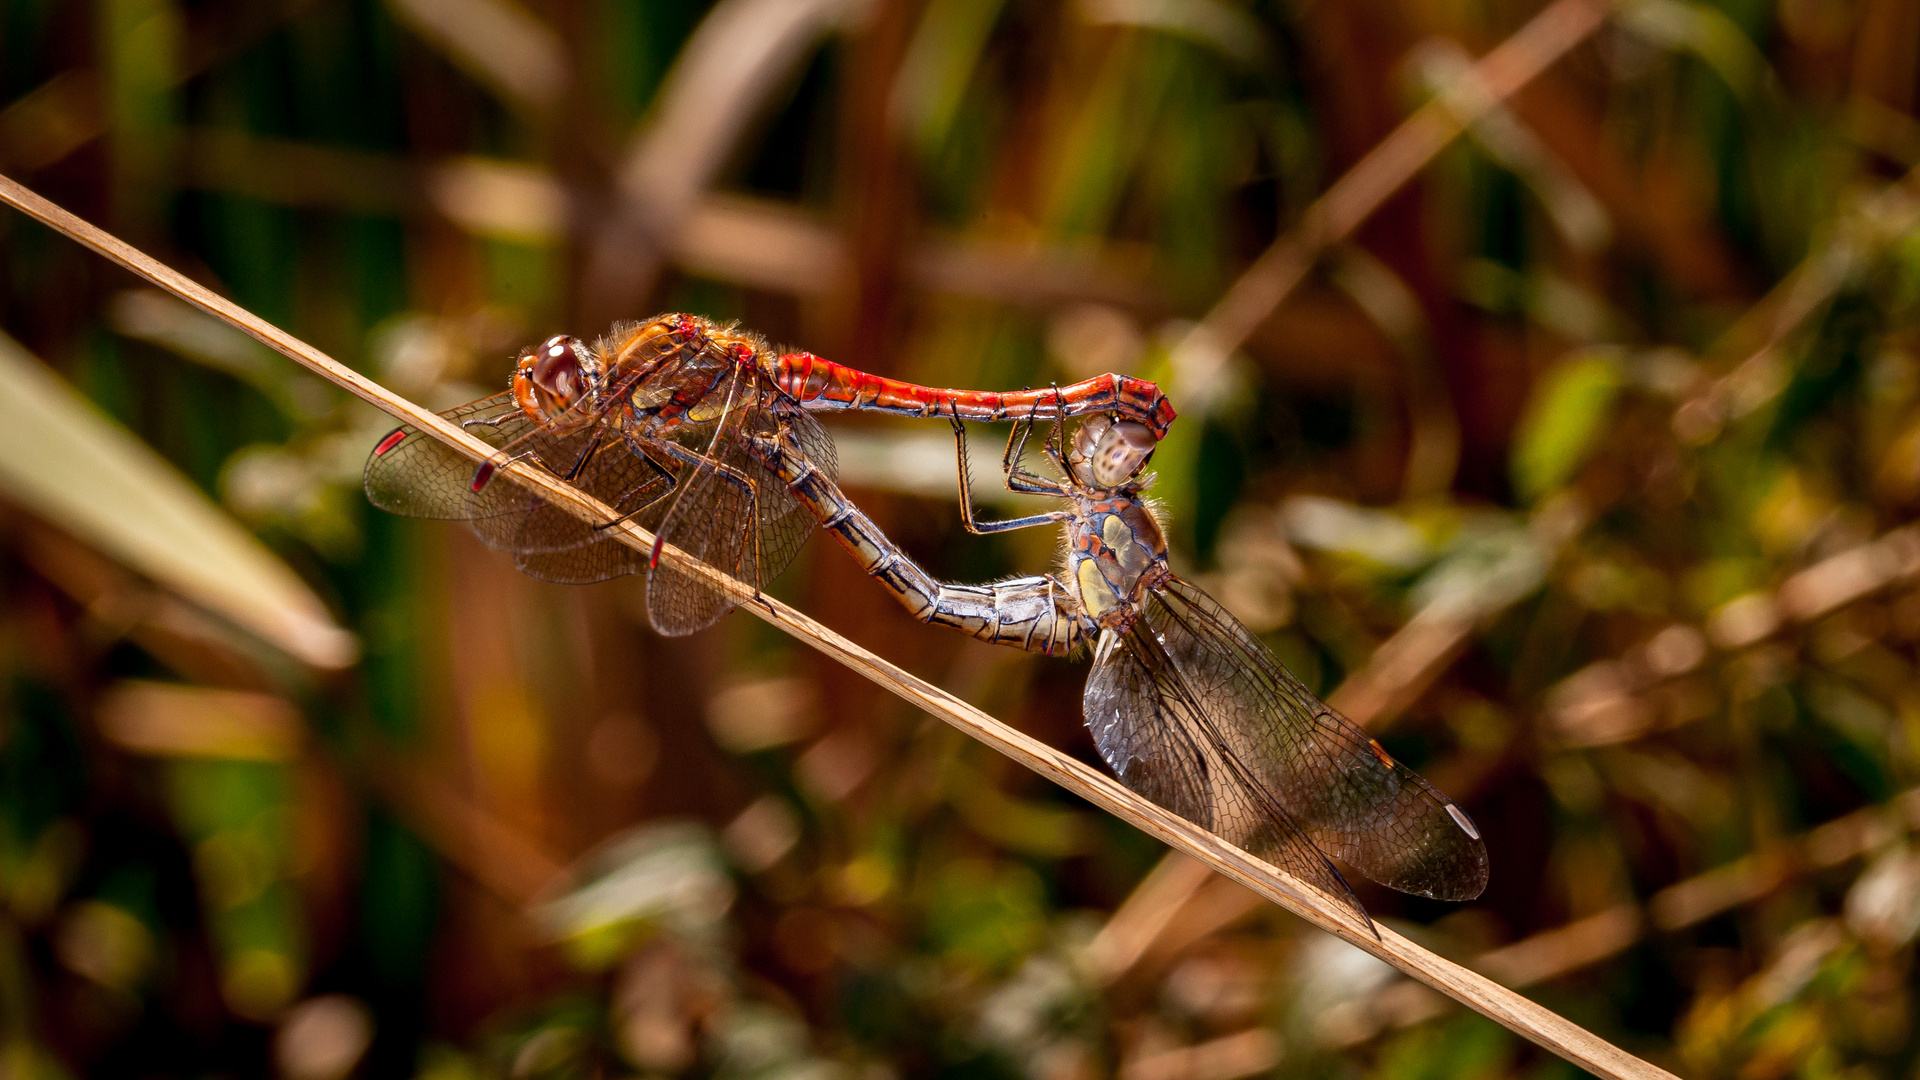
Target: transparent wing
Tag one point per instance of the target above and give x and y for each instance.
(552, 544)
(732, 512)
(1161, 736)
(615, 470)
(416, 475)
(784, 523)
(598, 561)
(1335, 784)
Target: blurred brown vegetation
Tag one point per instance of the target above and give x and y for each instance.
(1573, 454)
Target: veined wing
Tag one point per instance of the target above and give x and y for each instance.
(552, 544)
(1335, 784)
(603, 559)
(416, 475)
(731, 511)
(1160, 738)
(600, 462)
(784, 524)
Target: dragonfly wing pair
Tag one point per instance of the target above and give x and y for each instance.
(732, 514)
(1191, 711)
(702, 494)
(414, 474)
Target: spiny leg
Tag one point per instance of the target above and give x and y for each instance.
(1018, 478)
(1056, 439)
(983, 528)
(672, 481)
(696, 460)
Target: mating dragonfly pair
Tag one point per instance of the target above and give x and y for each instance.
(705, 436)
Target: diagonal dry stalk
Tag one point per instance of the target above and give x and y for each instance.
(1524, 1017)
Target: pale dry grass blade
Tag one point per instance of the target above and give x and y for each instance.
(1524, 1017)
(61, 458)
(498, 43)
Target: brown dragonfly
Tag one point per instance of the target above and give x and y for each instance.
(653, 420)
(1186, 706)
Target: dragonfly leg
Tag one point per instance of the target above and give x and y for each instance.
(671, 481)
(1018, 478)
(983, 528)
(1055, 444)
(580, 460)
(696, 460)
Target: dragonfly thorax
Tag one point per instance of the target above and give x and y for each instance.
(557, 378)
(1116, 552)
(675, 364)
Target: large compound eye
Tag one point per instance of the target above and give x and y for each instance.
(1121, 451)
(559, 370)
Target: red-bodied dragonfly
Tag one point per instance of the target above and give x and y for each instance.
(653, 421)
(1186, 706)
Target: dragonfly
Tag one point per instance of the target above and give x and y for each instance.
(1184, 703)
(654, 420)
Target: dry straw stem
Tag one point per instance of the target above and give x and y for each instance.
(1541, 1025)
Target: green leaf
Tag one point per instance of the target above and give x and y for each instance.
(1563, 420)
(61, 458)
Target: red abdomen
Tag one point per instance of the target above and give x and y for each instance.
(823, 384)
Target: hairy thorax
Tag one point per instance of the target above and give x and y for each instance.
(1115, 554)
(675, 362)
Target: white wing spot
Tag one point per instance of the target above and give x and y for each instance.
(1460, 819)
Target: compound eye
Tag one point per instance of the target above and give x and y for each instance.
(1122, 451)
(557, 369)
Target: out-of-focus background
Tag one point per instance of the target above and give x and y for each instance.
(1575, 461)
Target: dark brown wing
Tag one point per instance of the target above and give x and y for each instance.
(1161, 736)
(1336, 784)
(418, 476)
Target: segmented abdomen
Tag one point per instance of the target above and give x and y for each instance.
(1032, 613)
(823, 384)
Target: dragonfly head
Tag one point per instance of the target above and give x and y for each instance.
(1107, 453)
(553, 378)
